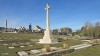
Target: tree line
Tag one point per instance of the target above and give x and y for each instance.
(89, 29)
(62, 31)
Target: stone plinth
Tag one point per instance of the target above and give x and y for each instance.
(48, 41)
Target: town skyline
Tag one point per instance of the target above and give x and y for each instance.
(72, 14)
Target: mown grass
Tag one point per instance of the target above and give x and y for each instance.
(12, 52)
(69, 42)
(21, 36)
(91, 51)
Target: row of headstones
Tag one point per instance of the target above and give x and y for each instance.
(11, 47)
(12, 41)
(58, 53)
(5, 44)
(28, 52)
(54, 53)
(77, 47)
(4, 54)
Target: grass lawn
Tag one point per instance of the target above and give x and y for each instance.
(91, 51)
(21, 36)
(12, 52)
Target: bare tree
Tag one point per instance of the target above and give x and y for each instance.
(97, 24)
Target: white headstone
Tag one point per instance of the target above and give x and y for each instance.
(22, 46)
(30, 45)
(35, 51)
(11, 47)
(23, 53)
(5, 44)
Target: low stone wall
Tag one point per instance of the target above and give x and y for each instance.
(65, 51)
(81, 46)
(61, 52)
(57, 53)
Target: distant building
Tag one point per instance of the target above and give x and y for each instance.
(21, 29)
(1, 29)
(30, 28)
(55, 31)
(62, 31)
(6, 29)
(6, 25)
(38, 29)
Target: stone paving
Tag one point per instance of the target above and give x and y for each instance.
(59, 52)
